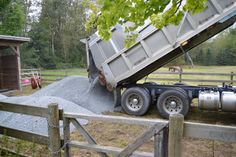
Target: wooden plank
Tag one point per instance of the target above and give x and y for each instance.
(127, 151)
(85, 133)
(209, 131)
(24, 135)
(66, 131)
(116, 119)
(195, 73)
(176, 122)
(161, 144)
(106, 149)
(30, 69)
(54, 131)
(24, 109)
(190, 80)
(53, 75)
(24, 78)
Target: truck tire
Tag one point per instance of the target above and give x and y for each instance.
(136, 101)
(173, 101)
(185, 93)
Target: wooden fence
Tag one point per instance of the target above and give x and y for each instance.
(47, 77)
(52, 114)
(180, 77)
(26, 74)
(167, 134)
(228, 78)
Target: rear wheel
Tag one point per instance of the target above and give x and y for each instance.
(136, 101)
(173, 101)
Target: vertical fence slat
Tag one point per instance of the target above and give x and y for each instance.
(66, 124)
(180, 77)
(161, 144)
(87, 136)
(54, 131)
(232, 77)
(176, 122)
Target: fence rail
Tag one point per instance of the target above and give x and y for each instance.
(159, 76)
(157, 127)
(180, 77)
(197, 73)
(167, 134)
(27, 74)
(53, 116)
(24, 135)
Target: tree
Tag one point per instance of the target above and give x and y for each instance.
(3, 4)
(12, 18)
(106, 13)
(56, 35)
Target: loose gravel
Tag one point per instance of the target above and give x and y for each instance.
(79, 90)
(72, 94)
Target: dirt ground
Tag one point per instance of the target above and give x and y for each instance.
(121, 135)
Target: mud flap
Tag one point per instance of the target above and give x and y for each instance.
(117, 100)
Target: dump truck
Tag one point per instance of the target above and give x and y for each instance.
(119, 68)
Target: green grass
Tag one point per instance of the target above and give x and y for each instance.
(78, 71)
(62, 73)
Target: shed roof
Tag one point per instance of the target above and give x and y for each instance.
(7, 41)
(13, 39)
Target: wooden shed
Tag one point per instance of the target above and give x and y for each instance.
(10, 62)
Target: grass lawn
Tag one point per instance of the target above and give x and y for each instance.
(121, 135)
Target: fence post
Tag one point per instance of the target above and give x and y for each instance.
(231, 77)
(176, 122)
(66, 124)
(54, 131)
(180, 77)
(161, 144)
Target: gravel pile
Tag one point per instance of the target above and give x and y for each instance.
(73, 94)
(36, 124)
(79, 90)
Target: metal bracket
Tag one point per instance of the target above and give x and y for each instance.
(187, 55)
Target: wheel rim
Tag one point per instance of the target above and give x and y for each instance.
(134, 102)
(173, 104)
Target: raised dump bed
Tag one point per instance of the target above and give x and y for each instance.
(154, 47)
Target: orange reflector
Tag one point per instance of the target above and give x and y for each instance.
(184, 43)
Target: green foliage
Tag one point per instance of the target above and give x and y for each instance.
(12, 18)
(106, 13)
(130, 40)
(218, 51)
(55, 37)
(3, 4)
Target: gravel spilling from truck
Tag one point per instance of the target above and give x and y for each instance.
(73, 94)
(79, 90)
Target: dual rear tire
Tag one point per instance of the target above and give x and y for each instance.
(173, 101)
(137, 100)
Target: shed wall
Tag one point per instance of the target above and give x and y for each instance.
(9, 72)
